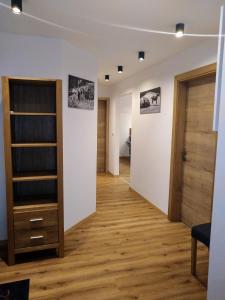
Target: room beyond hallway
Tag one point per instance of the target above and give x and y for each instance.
(124, 119)
(127, 250)
(125, 169)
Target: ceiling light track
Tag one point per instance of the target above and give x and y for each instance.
(155, 31)
(49, 22)
(114, 25)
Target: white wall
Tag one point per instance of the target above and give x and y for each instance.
(124, 112)
(216, 278)
(103, 90)
(216, 287)
(53, 58)
(152, 134)
(80, 141)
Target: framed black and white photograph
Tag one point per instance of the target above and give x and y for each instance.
(81, 93)
(150, 101)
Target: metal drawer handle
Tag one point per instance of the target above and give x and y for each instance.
(36, 220)
(37, 237)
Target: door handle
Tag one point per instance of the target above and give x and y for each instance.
(39, 237)
(36, 220)
(184, 155)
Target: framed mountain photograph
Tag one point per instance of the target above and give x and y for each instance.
(150, 101)
(81, 93)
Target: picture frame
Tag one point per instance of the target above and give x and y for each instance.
(81, 93)
(150, 101)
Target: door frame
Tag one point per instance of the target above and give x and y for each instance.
(176, 167)
(107, 99)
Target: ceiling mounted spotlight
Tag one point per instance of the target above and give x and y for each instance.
(179, 30)
(141, 55)
(17, 6)
(120, 69)
(106, 77)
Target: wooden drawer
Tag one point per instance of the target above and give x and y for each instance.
(36, 237)
(35, 227)
(29, 219)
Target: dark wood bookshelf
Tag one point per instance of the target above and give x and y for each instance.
(33, 164)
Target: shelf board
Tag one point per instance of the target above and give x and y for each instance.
(35, 199)
(35, 205)
(33, 145)
(32, 79)
(34, 176)
(12, 113)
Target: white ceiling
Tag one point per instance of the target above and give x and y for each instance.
(90, 23)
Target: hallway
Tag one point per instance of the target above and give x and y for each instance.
(127, 250)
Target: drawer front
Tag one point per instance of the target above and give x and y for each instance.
(38, 219)
(36, 227)
(36, 237)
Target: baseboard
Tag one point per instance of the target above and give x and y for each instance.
(149, 202)
(80, 223)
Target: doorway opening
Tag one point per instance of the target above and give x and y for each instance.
(193, 147)
(103, 135)
(124, 113)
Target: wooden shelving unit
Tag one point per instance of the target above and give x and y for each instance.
(34, 166)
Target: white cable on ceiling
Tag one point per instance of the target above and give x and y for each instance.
(47, 22)
(156, 31)
(112, 25)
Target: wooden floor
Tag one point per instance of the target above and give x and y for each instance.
(127, 250)
(125, 169)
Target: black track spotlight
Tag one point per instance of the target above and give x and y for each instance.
(141, 55)
(120, 69)
(106, 77)
(179, 30)
(17, 6)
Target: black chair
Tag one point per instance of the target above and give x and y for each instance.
(18, 290)
(199, 233)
